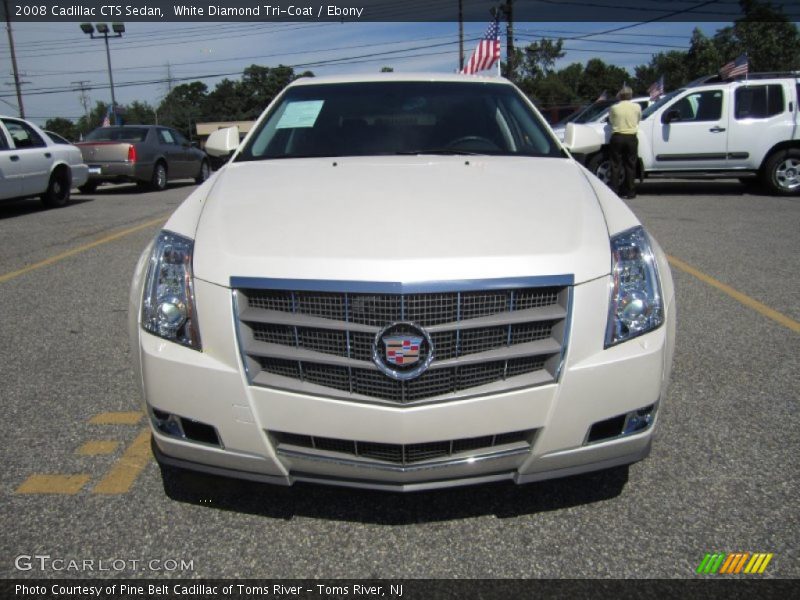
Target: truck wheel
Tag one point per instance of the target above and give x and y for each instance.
(782, 172)
(205, 170)
(159, 180)
(57, 193)
(600, 165)
(88, 188)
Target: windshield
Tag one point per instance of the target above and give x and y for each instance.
(400, 117)
(659, 103)
(117, 134)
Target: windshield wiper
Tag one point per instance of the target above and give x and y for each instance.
(443, 151)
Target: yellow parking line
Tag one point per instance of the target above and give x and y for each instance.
(53, 484)
(757, 306)
(66, 254)
(122, 475)
(116, 418)
(98, 447)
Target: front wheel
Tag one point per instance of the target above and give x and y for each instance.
(57, 193)
(782, 172)
(600, 166)
(205, 171)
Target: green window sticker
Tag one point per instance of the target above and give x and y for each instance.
(300, 114)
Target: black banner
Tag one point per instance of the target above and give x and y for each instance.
(380, 10)
(417, 589)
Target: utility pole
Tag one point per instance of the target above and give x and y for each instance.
(460, 35)
(84, 97)
(508, 9)
(14, 61)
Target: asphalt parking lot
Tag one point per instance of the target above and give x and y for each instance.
(79, 482)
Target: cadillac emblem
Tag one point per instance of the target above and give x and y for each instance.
(402, 350)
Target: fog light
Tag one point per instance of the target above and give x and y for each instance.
(166, 423)
(633, 422)
(639, 420)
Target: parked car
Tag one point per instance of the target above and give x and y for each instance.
(31, 164)
(744, 128)
(402, 282)
(149, 155)
(594, 114)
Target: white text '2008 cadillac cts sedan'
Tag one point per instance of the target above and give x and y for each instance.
(402, 282)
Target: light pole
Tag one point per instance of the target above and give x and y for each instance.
(102, 28)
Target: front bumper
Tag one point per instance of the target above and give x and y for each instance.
(595, 385)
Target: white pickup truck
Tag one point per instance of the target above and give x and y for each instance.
(746, 129)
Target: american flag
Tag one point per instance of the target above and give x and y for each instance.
(736, 67)
(656, 88)
(487, 53)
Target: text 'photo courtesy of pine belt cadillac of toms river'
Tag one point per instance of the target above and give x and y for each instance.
(402, 282)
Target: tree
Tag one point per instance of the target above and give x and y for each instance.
(139, 113)
(765, 34)
(703, 57)
(387, 70)
(95, 119)
(183, 107)
(63, 127)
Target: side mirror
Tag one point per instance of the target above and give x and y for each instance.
(670, 116)
(223, 141)
(582, 139)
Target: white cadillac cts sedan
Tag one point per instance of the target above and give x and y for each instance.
(402, 283)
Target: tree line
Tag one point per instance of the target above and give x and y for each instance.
(770, 41)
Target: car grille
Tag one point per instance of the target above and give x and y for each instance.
(404, 454)
(321, 343)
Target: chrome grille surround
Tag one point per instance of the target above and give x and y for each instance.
(316, 337)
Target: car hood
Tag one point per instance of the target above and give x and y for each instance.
(401, 219)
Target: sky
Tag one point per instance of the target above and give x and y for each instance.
(56, 57)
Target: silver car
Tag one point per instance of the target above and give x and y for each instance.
(149, 155)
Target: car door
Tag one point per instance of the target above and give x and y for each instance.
(190, 165)
(31, 158)
(763, 115)
(10, 184)
(176, 163)
(692, 133)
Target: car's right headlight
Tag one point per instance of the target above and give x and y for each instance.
(636, 305)
(168, 307)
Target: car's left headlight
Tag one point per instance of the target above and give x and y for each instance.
(636, 305)
(168, 307)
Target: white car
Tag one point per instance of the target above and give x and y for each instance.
(402, 282)
(747, 128)
(595, 114)
(32, 164)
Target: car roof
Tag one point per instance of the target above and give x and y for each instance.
(407, 77)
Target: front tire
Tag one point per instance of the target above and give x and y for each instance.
(158, 181)
(57, 193)
(205, 171)
(782, 172)
(600, 166)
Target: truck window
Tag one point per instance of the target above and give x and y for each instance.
(700, 106)
(758, 101)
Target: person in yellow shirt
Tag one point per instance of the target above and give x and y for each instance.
(624, 117)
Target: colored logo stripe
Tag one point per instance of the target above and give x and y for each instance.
(734, 563)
